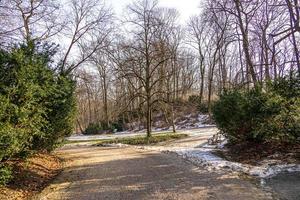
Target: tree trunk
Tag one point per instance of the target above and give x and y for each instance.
(172, 119)
(105, 107)
(79, 125)
(245, 41)
(148, 116)
(209, 96)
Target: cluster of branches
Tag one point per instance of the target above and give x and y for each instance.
(79, 27)
(244, 43)
(144, 72)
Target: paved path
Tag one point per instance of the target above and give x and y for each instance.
(129, 174)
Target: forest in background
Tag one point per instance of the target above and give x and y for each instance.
(154, 63)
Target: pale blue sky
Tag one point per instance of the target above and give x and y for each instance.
(186, 8)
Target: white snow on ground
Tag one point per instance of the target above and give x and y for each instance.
(189, 122)
(202, 155)
(186, 122)
(205, 157)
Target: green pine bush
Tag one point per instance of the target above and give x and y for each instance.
(5, 174)
(261, 115)
(93, 129)
(37, 104)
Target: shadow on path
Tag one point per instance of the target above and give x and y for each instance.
(126, 173)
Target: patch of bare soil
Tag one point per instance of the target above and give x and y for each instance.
(31, 176)
(254, 154)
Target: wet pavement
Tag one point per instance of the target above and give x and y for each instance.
(285, 185)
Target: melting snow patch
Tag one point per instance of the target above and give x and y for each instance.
(269, 171)
(222, 144)
(204, 157)
(202, 118)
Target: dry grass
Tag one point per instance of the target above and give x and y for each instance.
(141, 140)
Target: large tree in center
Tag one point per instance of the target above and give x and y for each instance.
(146, 23)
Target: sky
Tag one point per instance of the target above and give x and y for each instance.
(186, 8)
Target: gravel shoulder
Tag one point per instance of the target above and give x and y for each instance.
(128, 173)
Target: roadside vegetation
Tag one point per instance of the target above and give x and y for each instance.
(261, 121)
(37, 105)
(142, 140)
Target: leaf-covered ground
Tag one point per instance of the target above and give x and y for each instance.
(30, 176)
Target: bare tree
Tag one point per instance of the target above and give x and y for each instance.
(294, 13)
(148, 25)
(88, 30)
(198, 37)
(30, 19)
(103, 65)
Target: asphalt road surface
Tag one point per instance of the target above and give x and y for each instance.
(129, 174)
